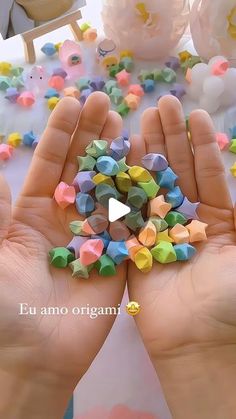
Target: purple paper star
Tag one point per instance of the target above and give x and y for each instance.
(178, 90)
(97, 83)
(188, 209)
(173, 63)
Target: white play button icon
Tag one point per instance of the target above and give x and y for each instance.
(117, 210)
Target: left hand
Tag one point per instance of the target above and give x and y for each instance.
(58, 349)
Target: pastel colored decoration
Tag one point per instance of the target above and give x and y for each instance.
(178, 90)
(5, 83)
(51, 92)
(232, 147)
(123, 182)
(5, 68)
(132, 101)
(147, 234)
(222, 140)
(168, 75)
(150, 188)
(116, 96)
(12, 94)
(49, 49)
(123, 109)
(109, 85)
(98, 223)
(164, 253)
(134, 220)
(140, 236)
(79, 270)
(173, 218)
(143, 260)
(26, 99)
(189, 209)
(100, 178)
(212, 91)
(97, 83)
(6, 152)
(59, 72)
(107, 166)
(117, 251)
(173, 63)
(166, 178)
(64, 195)
(56, 82)
(106, 266)
(184, 251)
(29, 138)
(86, 163)
(136, 89)
(70, 55)
(123, 78)
(105, 192)
(127, 63)
(97, 148)
(136, 197)
(148, 86)
(84, 95)
(84, 203)
(158, 206)
(72, 92)
(139, 174)
(197, 231)
(60, 257)
(75, 245)
(179, 234)
(233, 170)
(119, 148)
(155, 162)
(83, 181)
(52, 102)
(36, 80)
(14, 139)
(90, 35)
(119, 231)
(174, 197)
(133, 247)
(91, 251)
(83, 83)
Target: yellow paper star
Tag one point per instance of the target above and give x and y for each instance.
(233, 170)
(163, 236)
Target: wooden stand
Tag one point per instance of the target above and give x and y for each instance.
(30, 36)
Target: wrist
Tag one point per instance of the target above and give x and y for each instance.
(35, 396)
(200, 383)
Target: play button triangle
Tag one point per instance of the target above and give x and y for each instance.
(117, 210)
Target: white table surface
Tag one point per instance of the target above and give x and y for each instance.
(122, 372)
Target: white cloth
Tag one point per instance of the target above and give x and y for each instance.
(14, 20)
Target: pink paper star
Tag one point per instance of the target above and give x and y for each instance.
(123, 78)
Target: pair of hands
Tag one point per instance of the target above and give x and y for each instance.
(186, 308)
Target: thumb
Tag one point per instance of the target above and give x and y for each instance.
(5, 208)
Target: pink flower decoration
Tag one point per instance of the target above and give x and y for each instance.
(117, 412)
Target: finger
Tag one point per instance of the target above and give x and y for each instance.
(50, 155)
(152, 132)
(113, 126)
(179, 151)
(209, 168)
(137, 151)
(5, 208)
(91, 124)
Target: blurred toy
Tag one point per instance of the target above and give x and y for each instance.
(6, 151)
(5, 68)
(12, 94)
(71, 58)
(212, 84)
(213, 28)
(37, 80)
(107, 53)
(14, 139)
(150, 28)
(52, 102)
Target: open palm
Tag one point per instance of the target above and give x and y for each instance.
(194, 303)
(62, 345)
